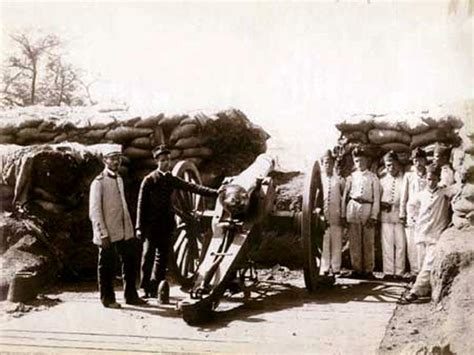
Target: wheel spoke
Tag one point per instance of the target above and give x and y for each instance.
(179, 240)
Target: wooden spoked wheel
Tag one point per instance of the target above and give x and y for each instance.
(311, 229)
(190, 239)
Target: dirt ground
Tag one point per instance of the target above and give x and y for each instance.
(280, 317)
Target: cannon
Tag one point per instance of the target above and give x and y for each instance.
(210, 247)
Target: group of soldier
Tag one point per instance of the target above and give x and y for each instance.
(115, 234)
(412, 208)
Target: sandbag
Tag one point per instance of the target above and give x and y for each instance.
(33, 135)
(148, 163)
(201, 152)
(361, 123)
(462, 206)
(142, 142)
(30, 122)
(137, 153)
(130, 122)
(356, 136)
(7, 139)
(149, 122)
(168, 123)
(384, 136)
(61, 138)
(196, 161)
(191, 142)
(96, 134)
(432, 136)
(396, 147)
(158, 136)
(8, 127)
(460, 222)
(47, 125)
(175, 153)
(183, 131)
(50, 207)
(126, 134)
(125, 160)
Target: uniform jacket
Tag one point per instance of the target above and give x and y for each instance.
(155, 213)
(361, 199)
(413, 183)
(108, 209)
(333, 190)
(391, 188)
(434, 214)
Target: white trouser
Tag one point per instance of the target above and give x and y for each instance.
(412, 250)
(332, 249)
(422, 284)
(393, 248)
(420, 252)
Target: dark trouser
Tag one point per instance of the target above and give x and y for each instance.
(154, 262)
(127, 250)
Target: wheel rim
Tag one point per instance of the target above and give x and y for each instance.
(189, 237)
(310, 227)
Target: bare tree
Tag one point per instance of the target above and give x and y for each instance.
(37, 72)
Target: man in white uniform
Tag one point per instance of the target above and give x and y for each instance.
(413, 182)
(393, 233)
(432, 221)
(333, 189)
(360, 209)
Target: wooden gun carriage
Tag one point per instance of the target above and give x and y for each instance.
(210, 247)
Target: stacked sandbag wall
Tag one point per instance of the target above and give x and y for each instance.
(220, 144)
(380, 133)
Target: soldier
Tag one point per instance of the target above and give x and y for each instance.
(413, 182)
(155, 218)
(441, 158)
(360, 209)
(333, 189)
(432, 220)
(393, 234)
(113, 231)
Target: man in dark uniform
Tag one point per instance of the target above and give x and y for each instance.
(155, 218)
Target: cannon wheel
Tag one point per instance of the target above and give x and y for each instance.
(310, 227)
(189, 238)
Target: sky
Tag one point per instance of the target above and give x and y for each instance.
(295, 68)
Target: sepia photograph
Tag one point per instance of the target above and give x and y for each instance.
(237, 177)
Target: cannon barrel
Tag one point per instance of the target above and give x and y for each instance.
(260, 168)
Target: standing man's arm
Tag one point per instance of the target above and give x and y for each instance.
(142, 206)
(96, 213)
(376, 196)
(344, 200)
(404, 199)
(191, 187)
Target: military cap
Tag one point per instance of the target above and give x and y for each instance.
(328, 154)
(111, 150)
(160, 150)
(418, 153)
(440, 149)
(390, 156)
